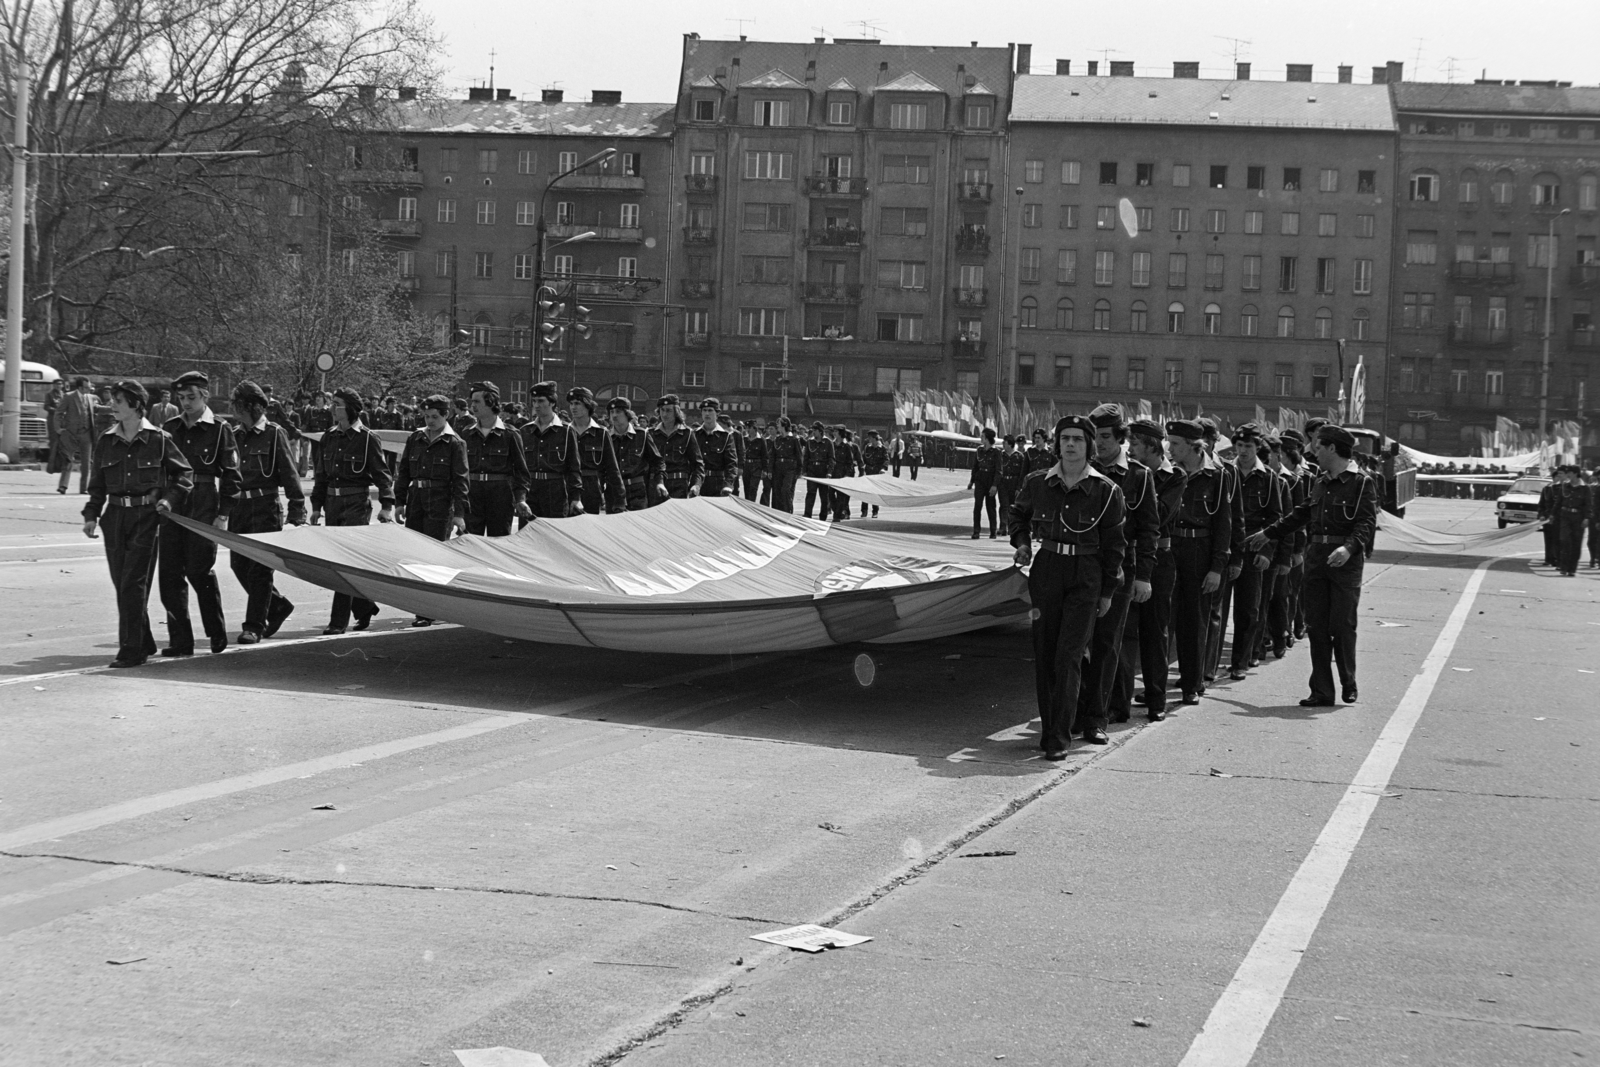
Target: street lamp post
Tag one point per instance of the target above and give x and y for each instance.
(537, 361)
(1549, 286)
(1016, 306)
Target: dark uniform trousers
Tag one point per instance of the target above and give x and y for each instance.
(186, 561)
(1105, 653)
(1065, 591)
(1332, 597)
(547, 495)
(1144, 641)
(131, 535)
(257, 515)
(1191, 557)
(1008, 493)
(783, 479)
(594, 497)
(752, 484)
(813, 493)
(1247, 617)
(490, 505)
(716, 481)
(983, 493)
(638, 491)
(1297, 599)
(1217, 611)
(428, 511)
(1279, 619)
(354, 509)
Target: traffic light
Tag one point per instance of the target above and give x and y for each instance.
(550, 333)
(460, 335)
(579, 315)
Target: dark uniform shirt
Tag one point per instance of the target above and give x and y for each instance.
(985, 465)
(819, 458)
(1013, 467)
(316, 420)
(638, 456)
(151, 463)
(786, 452)
(874, 459)
(1088, 514)
(1344, 506)
(498, 453)
(554, 451)
(680, 452)
(1141, 518)
(1040, 458)
(1169, 483)
(721, 451)
(209, 447)
(352, 458)
(755, 456)
(441, 462)
(597, 458)
(266, 465)
(1206, 506)
(846, 460)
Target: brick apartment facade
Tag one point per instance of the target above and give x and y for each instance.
(1486, 172)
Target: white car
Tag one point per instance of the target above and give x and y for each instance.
(1520, 503)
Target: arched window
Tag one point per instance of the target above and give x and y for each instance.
(1175, 317)
(1423, 185)
(441, 329)
(1249, 321)
(1139, 317)
(521, 332)
(1361, 325)
(1030, 313)
(1546, 190)
(482, 330)
(1467, 187)
(632, 392)
(1504, 187)
(1213, 319)
(1588, 192)
(1286, 321)
(1324, 324)
(1063, 314)
(1102, 314)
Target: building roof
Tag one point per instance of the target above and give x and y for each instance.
(1202, 102)
(1582, 101)
(532, 118)
(774, 79)
(866, 67)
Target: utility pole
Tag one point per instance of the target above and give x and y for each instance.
(1016, 307)
(11, 419)
(1544, 366)
(783, 382)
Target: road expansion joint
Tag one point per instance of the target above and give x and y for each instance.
(258, 878)
(1346, 785)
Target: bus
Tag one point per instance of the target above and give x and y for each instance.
(37, 381)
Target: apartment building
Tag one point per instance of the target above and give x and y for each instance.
(458, 190)
(1497, 204)
(838, 197)
(1263, 213)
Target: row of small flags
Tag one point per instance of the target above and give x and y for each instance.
(960, 412)
(1508, 438)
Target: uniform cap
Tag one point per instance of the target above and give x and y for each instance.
(1080, 423)
(1313, 425)
(1208, 427)
(1293, 436)
(1107, 416)
(619, 403)
(816, 426)
(711, 403)
(667, 398)
(188, 378)
(544, 389)
(248, 392)
(134, 392)
(580, 395)
(1148, 428)
(1248, 432)
(1337, 435)
(1188, 429)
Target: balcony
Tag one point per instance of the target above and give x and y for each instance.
(834, 237)
(1588, 339)
(616, 183)
(1481, 336)
(970, 239)
(698, 236)
(824, 186)
(697, 290)
(697, 340)
(968, 348)
(1586, 276)
(1464, 270)
(560, 231)
(972, 298)
(830, 293)
(362, 176)
(408, 284)
(397, 227)
(700, 183)
(974, 192)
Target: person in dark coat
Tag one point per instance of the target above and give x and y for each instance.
(266, 465)
(874, 460)
(556, 473)
(497, 467)
(642, 467)
(431, 478)
(721, 450)
(818, 464)
(603, 492)
(786, 457)
(982, 483)
(352, 465)
(680, 450)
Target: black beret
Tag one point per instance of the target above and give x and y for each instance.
(191, 377)
(1148, 428)
(873, 433)
(133, 392)
(1080, 423)
(1188, 429)
(619, 403)
(1248, 432)
(1010, 438)
(1337, 435)
(488, 388)
(544, 389)
(1208, 426)
(667, 398)
(1293, 436)
(579, 395)
(248, 392)
(816, 426)
(1107, 415)
(1312, 425)
(710, 402)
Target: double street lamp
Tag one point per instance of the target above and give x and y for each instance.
(1549, 286)
(540, 296)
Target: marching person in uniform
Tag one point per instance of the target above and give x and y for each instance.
(497, 467)
(1140, 525)
(1013, 468)
(818, 464)
(1568, 513)
(685, 468)
(1202, 536)
(138, 474)
(981, 483)
(720, 450)
(1339, 516)
(266, 464)
(755, 463)
(786, 455)
(874, 460)
(1297, 464)
(1077, 514)
(1039, 454)
(603, 492)
(846, 462)
(555, 489)
(352, 464)
(1220, 604)
(431, 478)
(1261, 505)
(1149, 621)
(639, 461)
(913, 455)
(187, 560)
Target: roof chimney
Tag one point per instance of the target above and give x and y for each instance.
(503, 94)
(479, 92)
(1396, 71)
(1024, 58)
(367, 94)
(1094, 67)
(1241, 72)
(1299, 72)
(551, 96)
(408, 92)
(606, 96)
(1122, 68)
(1186, 70)
(1063, 66)
(1346, 75)
(1380, 75)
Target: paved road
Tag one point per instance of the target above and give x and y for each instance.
(377, 848)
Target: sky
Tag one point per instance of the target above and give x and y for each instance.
(636, 46)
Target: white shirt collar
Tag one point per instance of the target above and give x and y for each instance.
(496, 425)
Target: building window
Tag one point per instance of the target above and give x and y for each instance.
(1361, 325)
(1542, 131)
(1140, 278)
(1064, 314)
(406, 209)
(702, 163)
(1494, 382)
(1461, 314)
(967, 382)
(525, 161)
(1144, 173)
(694, 372)
(1286, 321)
(1213, 319)
(1177, 270)
(628, 217)
(488, 160)
(1105, 218)
(297, 206)
(772, 112)
(1423, 186)
(1366, 225)
(1139, 317)
(1216, 221)
(775, 270)
(560, 266)
(1029, 313)
(1069, 216)
(483, 265)
(1319, 381)
(1071, 172)
(1136, 375)
(444, 264)
(1180, 220)
(405, 264)
(566, 213)
(768, 166)
(1214, 270)
(1025, 365)
(1108, 174)
(1219, 177)
(1327, 273)
(566, 161)
(446, 211)
(1252, 273)
(628, 267)
(1588, 192)
(1102, 314)
(1033, 170)
(1291, 179)
(1032, 215)
(1422, 246)
(898, 379)
(1503, 189)
(1363, 277)
(705, 111)
(1284, 373)
(981, 117)
(1288, 274)
(767, 217)
(1067, 266)
(1252, 221)
(903, 273)
(841, 112)
(1105, 268)
(1249, 321)
(1100, 372)
(1180, 175)
(763, 322)
(1328, 180)
(1247, 379)
(1467, 187)
(905, 221)
(1322, 325)
(1289, 224)
(522, 267)
(908, 116)
(1174, 317)
(1030, 265)
(1546, 190)
(830, 377)
(1327, 224)
(1255, 177)
(1144, 219)
(907, 170)
(1366, 181)
(900, 328)
(1210, 375)
(482, 333)
(449, 160)
(1063, 371)
(1172, 377)
(485, 213)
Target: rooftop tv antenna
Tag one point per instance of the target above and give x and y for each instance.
(741, 23)
(1106, 53)
(1240, 46)
(491, 68)
(870, 29)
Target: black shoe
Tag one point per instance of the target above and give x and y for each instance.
(1190, 698)
(1277, 653)
(974, 535)
(61, 489)
(1120, 717)
(332, 631)
(276, 616)
(421, 620)
(1211, 676)
(120, 663)
(249, 637)
(361, 623)
(1316, 702)
(1097, 737)
(1237, 674)
(173, 653)
(219, 643)
(1056, 757)
(1157, 716)
(1348, 694)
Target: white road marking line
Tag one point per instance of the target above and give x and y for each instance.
(1241, 1016)
(1019, 732)
(80, 543)
(54, 559)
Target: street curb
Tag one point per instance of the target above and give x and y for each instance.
(21, 466)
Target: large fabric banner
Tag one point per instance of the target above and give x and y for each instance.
(890, 492)
(1421, 539)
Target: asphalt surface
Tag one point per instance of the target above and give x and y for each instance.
(379, 848)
